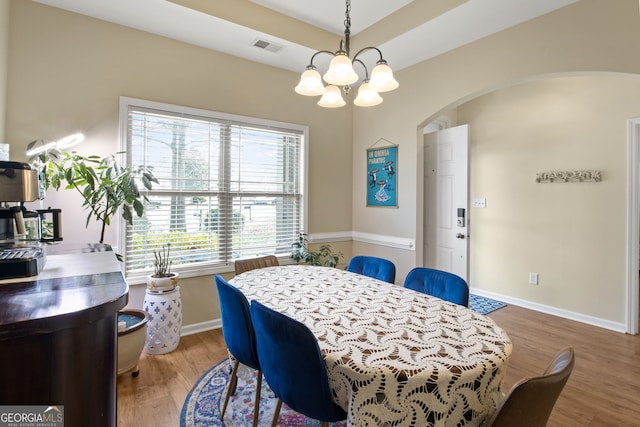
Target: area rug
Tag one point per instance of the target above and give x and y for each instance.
(203, 405)
(484, 305)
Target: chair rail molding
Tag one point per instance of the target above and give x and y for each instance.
(341, 236)
(359, 236)
(382, 240)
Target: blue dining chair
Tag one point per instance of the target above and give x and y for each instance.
(441, 284)
(378, 268)
(293, 367)
(240, 338)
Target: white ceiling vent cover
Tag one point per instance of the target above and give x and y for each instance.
(267, 45)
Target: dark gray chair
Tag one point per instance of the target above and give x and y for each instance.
(530, 401)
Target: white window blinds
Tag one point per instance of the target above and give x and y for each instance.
(227, 188)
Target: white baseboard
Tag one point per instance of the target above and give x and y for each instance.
(571, 315)
(201, 327)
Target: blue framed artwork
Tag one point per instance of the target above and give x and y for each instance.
(382, 176)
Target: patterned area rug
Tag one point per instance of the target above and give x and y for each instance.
(203, 405)
(484, 305)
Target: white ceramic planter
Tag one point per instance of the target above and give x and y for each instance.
(131, 342)
(165, 320)
(162, 284)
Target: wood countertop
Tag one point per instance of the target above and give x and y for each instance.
(80, 283)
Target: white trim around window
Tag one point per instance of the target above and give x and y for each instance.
(229, 186)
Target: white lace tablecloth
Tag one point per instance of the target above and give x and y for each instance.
(395, 357)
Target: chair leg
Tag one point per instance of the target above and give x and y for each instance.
(256, 409)
(233, 381)
(276, 414)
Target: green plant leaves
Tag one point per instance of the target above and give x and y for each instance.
(324, 256)
(104, 184)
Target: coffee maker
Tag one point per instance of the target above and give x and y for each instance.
(23, 231)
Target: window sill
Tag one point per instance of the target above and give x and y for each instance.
(187, 272)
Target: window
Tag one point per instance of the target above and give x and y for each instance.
(229, 186)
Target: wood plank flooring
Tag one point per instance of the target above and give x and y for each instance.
(604, 389)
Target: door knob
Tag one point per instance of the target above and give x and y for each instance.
(459, 235)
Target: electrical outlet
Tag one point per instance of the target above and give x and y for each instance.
(533, 278)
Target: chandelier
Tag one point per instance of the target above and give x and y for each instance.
(341, 73)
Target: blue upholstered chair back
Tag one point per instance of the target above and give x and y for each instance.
(441, 284)
(292, 364)
(237, 327)
(378, 268)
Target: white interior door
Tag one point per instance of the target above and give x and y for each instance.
(446, 200)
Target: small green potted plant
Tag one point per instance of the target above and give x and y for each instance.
(162, 279)
(324, 256)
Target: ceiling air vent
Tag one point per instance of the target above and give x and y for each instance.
(266, 45)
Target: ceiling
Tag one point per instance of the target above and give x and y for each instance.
(301, 27)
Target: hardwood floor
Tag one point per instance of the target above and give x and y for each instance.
(155, 397)
(604, 389)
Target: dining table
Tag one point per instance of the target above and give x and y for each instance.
(394, 356)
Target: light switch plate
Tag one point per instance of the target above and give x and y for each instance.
(480, 203)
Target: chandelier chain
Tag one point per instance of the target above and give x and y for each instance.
(347, 28)
(347, 20)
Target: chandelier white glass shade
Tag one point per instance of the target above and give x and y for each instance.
(310, 83)
(332, 98)
(341, 72)
(367, 96)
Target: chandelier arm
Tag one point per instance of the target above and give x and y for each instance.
(366, 71)
(317, 53)
(364, 49)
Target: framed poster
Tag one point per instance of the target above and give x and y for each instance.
(382, 176)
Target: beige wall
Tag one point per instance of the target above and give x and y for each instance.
(572, 235)
(67, 76)
(590, 36)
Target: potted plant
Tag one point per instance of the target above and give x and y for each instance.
(104, 184)
(162, 280)
(324, 256)
(132, 333)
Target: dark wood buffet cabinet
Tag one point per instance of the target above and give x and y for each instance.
(58, 334)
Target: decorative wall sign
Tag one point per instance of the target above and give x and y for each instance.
(382, 175)
(570, 176)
